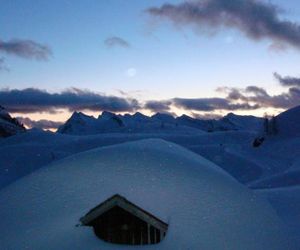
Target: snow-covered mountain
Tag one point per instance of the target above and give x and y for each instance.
(8, 125)
(241, 122)
(81, 124)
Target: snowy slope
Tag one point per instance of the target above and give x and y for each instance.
(37, 148)
(286, 202)
(231, 150)
(281, 157)
(241, 167)
(8, 125)
(288, 122)
(198, 200)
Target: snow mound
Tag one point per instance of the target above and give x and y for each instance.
(241, 168)
(204, 207)
(37, 148)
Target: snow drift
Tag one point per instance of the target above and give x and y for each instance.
(204, 207)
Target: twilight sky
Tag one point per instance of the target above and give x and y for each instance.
(202, 58)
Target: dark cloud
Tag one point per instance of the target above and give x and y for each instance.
(116, 42)
(256, 91)
(36, 100)
(256, 19)
(41, 124)
(158, 106)
(206, 116)
(233, 93)
(261, 98)
(288, 80)
(211, 104)
(26, 49)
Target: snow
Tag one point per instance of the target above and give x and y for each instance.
(288, 178)
(288, 122)
(286, 202)
(37, 148)
(242, 168)
(204, 206)
(75, 182)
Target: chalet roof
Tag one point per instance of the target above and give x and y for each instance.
(118, 200)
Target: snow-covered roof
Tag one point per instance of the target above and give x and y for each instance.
(120, 201)
(204, 207)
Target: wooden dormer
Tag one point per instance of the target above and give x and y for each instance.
(119, 221)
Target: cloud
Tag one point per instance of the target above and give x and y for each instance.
(41, 124)
(115, 41)
(206, 116)
(211, 104)
(260, 97)
(256, 91)
(249, 98)
(158, 106)
(35, 100)
(287, 81)
(256, 19)
(27, 49)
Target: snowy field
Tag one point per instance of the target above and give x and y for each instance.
(215, 189)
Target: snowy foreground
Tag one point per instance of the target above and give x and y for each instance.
(204, 206)
(215, 190)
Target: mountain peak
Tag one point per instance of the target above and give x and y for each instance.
(106, 115)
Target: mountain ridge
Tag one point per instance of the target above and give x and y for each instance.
(81, 124)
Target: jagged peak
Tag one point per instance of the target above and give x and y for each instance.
(184, 116)
(159, 114)
(139, 114)
(79, 114)
(229, 115)
(106, 115)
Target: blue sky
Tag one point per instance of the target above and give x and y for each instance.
(163, 60)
